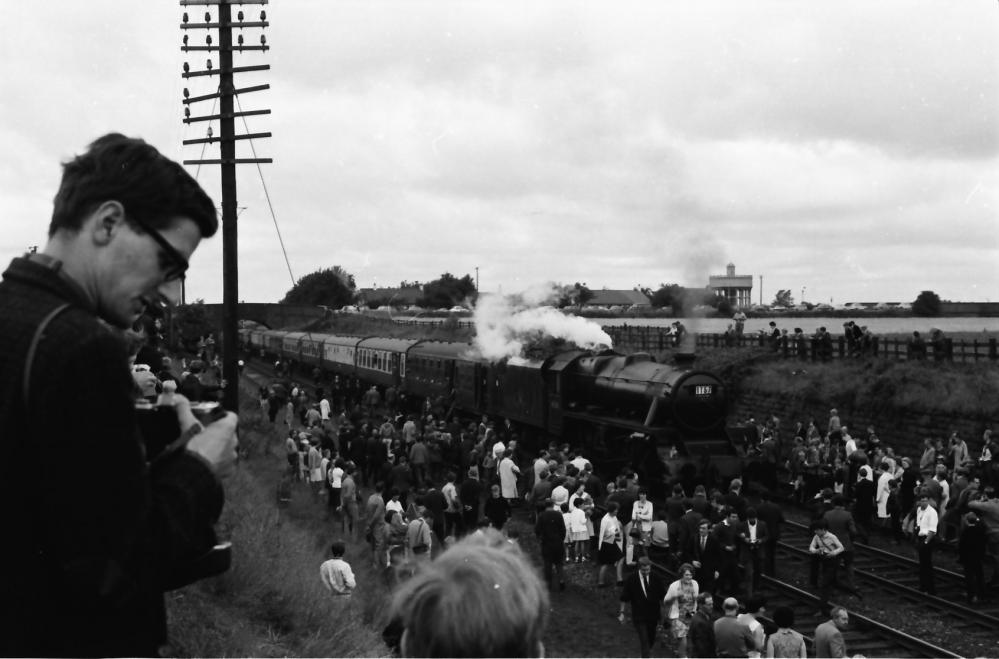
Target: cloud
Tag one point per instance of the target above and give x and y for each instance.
(569, 141)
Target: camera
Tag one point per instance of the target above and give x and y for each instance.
(160, 427)
(160, 430)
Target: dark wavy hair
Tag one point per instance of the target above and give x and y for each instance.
(149, 185)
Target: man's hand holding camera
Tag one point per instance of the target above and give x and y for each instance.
(216, 442)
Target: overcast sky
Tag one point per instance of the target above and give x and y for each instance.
(846, 148)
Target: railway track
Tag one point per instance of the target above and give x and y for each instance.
(864, 636)
(877, 569)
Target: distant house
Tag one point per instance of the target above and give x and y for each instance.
(396, 297)
(609, 299)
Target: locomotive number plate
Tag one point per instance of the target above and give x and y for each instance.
(703, 390)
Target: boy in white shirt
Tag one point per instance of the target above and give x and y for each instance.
(336, 573)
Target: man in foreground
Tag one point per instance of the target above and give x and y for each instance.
(829, 636)
(95, 538)
(479, 598)
(646, 592)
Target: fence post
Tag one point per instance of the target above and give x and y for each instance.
(993, 353)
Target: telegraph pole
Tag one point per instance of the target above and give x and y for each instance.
(227, 142)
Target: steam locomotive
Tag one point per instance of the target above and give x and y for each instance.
(622, 408)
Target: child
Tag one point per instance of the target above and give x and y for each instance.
(576, 525)
(336, 573)
(567, 518)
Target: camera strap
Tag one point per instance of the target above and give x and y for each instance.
(35, 340)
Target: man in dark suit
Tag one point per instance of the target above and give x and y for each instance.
(752, 534)
(470, 495)
(676, 504)
(770, 513)
(435, 502)
(734, 498)
(689, 521)
(550, 529)
(843, 526)
(646, 592)
(700, 502)
(726, 533)
(702, 551)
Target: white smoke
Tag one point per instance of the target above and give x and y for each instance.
(700, 255)
(505, 324)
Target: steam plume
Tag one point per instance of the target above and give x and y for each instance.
(506, 324)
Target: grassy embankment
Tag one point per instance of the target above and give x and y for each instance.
(943, 387)
(271, 602)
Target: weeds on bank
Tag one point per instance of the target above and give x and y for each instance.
(926, 385)
(271, 602)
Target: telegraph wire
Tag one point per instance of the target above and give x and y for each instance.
(267, 195)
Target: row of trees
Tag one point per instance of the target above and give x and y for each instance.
(335, 288)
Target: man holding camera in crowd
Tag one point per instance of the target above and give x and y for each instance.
(95, 537)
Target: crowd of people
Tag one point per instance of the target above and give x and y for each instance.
(946, 494)
(856, 341)
(418, 505)
(718, 541)
(434, 480)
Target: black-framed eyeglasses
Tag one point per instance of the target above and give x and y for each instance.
(177, 267)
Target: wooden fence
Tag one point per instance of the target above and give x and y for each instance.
(639, 338)
(642, 338)
(882, 347)
(646, 338)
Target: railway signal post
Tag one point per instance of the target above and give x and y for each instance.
(225, 95)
